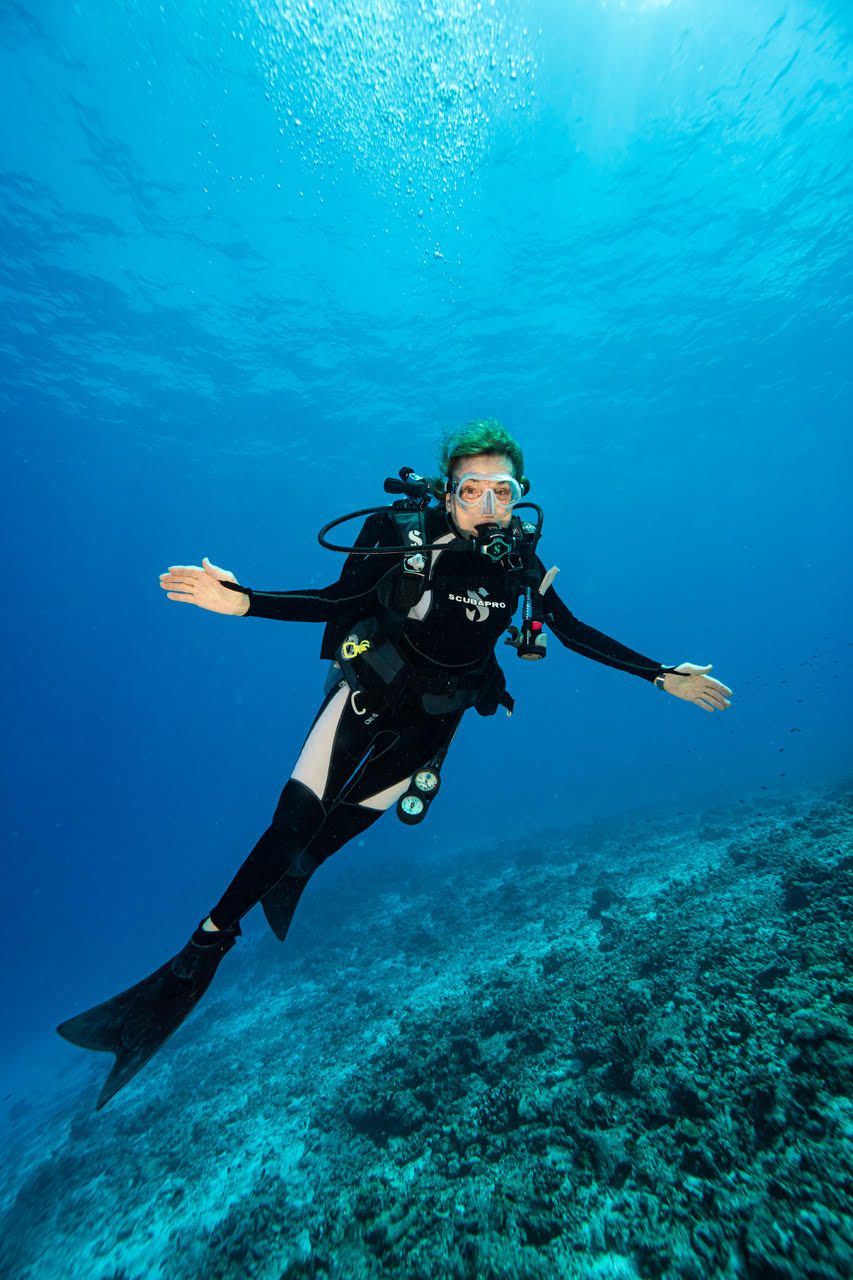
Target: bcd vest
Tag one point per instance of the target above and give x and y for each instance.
(371, 649)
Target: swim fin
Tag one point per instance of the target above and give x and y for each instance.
(135, 1023)
(279, 903)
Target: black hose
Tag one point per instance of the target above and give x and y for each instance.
(401, 550)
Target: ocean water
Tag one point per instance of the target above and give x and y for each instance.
(592, 1018)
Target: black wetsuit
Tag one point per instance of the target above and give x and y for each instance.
(354, 766)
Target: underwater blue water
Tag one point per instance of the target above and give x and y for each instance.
(220, 329)
(257, 256)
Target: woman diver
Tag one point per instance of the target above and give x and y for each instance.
(426, 591)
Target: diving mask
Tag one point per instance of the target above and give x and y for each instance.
(486, 493)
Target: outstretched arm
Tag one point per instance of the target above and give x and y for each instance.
(594, 644)
(687, 681)
(217, 590)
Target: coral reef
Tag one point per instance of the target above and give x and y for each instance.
(624, 1051)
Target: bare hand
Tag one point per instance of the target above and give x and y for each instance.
(694, 686)
(203, 587)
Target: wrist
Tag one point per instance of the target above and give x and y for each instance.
(244, 604)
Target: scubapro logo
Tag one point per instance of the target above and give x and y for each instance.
(478, 604)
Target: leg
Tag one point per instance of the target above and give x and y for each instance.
(281, 899)
(363, 772)
(298, 817)
(335, 744)
(379, 781)
(136, 1023)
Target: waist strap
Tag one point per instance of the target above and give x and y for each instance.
(385, 677)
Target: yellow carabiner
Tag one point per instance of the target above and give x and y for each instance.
(352, 647)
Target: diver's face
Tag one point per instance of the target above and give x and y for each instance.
(466, 518)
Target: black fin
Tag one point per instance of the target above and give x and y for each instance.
(137, 1022)
(280, 902)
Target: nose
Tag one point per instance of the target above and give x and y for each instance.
(487, 505)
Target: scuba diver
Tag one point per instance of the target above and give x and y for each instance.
(427, 589)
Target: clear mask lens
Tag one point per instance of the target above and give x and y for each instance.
(487, 493)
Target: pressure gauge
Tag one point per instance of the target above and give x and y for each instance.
(411, 809)
(426, 781)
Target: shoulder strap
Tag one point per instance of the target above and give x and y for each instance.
(401, 591)
(375, 531)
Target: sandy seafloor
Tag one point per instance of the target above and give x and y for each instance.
(624, 1050)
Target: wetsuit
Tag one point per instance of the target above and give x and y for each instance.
(353, 766)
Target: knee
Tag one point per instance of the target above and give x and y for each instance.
(299, 811)
(344, 823)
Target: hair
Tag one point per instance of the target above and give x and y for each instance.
(483, 435)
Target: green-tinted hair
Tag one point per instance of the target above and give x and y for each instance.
(483, 435)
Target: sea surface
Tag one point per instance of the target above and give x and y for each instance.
(592, 1019)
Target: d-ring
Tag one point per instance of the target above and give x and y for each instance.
(352, 703)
